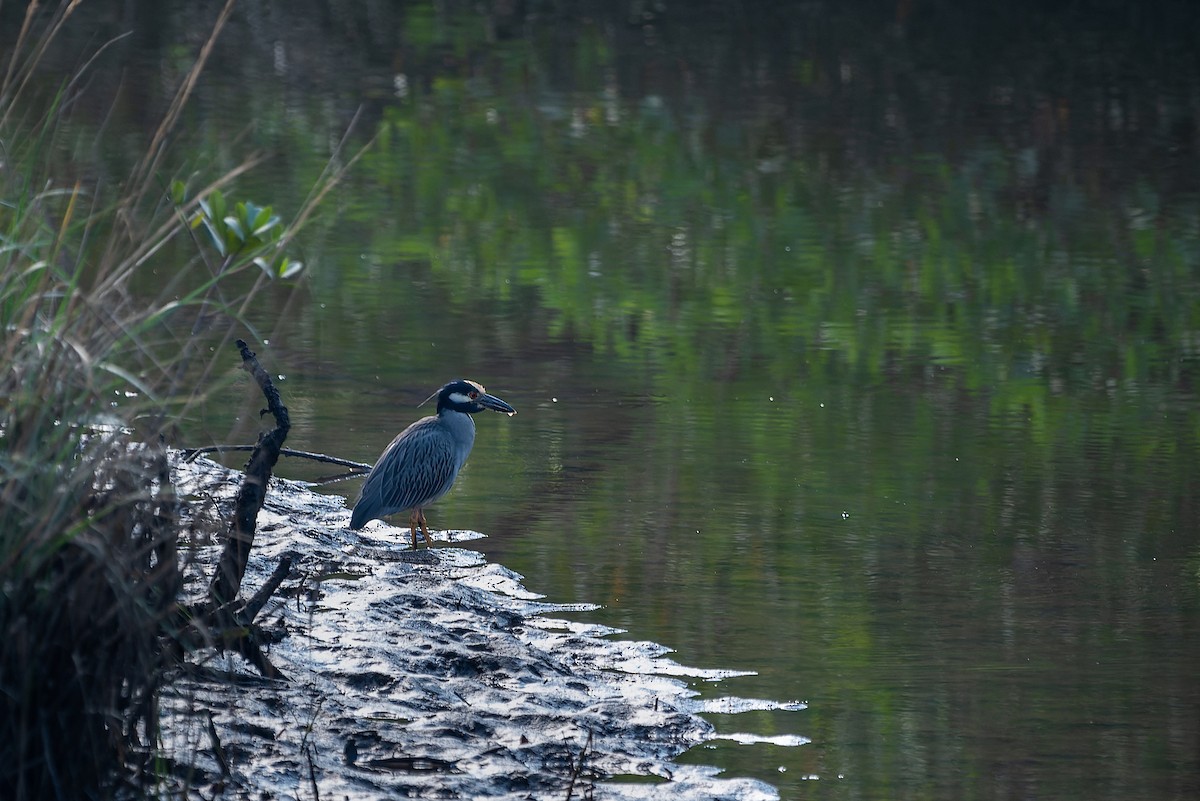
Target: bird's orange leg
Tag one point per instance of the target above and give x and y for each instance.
(425, 528)
(418, 519)
(413, 520)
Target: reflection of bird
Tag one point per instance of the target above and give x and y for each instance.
(423, 460)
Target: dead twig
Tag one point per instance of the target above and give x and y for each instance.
(307, 746)
(192, 454)
(577, 768)
(218, 750)
(260, 598)
(252, 493)
(248, 646)
(323, 480)
(312, 773)
(221, 621)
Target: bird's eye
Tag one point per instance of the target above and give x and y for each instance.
(474, 394)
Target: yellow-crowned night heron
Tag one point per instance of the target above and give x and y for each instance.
(423, 460)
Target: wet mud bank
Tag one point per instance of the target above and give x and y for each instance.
(430, 673)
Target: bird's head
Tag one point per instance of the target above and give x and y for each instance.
(468, 397)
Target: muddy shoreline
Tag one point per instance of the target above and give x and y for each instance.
(430, 673)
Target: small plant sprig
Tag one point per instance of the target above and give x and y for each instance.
(246, 230)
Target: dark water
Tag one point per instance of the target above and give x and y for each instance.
(856, 347)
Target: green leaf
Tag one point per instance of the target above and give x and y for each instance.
(289, 268)
(233, 228)
(216, 205)
(216, 231)
(262, 226)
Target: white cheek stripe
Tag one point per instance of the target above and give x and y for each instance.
(458, 397)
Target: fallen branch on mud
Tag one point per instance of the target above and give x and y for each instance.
(221, 620)
(228, 579)
(356, 468)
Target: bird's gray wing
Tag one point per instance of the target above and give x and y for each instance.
(417, 468)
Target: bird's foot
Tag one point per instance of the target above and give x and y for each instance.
(418, 520)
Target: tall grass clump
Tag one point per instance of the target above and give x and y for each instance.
(88, 573)
(89, 576)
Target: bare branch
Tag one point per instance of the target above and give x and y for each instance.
(232, 567)
(191, 454)
(256, 603)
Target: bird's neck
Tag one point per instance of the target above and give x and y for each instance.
(457, 420)
(461, 428)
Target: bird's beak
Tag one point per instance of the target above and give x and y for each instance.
(495, 404)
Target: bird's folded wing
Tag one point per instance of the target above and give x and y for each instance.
(416, 469)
